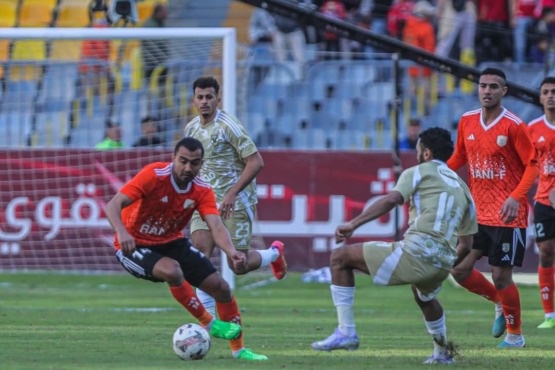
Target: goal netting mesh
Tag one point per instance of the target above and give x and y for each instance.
(61, 89)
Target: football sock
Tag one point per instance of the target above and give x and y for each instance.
(207, 301)
(229, 312)
(344, 299)
(510, 299)
(438, 330)
(547, 284)
(477, 283)
(268, 256)
(185, 295)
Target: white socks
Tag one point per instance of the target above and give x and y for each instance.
(438, 330)
(268, 256)
(344, 299)
(207, 301)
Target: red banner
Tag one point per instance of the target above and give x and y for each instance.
(52, 202)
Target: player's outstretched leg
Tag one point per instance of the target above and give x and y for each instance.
(337, 340)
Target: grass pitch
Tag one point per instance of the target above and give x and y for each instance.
(50, 321)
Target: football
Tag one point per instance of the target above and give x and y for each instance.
(191, 342)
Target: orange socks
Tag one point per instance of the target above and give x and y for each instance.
(230, 312)
(186, 296)
(547, 284)
(510, 299)
(477, 283)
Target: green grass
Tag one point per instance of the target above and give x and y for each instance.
(50, 321)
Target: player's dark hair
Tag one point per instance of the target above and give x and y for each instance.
(191, 144)
(206, 83)
(439, 141)
(495, 72)
(548, 80)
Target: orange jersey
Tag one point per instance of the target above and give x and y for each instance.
(496, 156)
(160, 210)
(543, 136)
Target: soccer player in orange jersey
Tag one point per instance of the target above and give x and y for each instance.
(148, 215)
(502, 166)
(542, 132)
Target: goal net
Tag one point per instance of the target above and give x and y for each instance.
(61, 90)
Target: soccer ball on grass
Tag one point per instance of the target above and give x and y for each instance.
(191, 342)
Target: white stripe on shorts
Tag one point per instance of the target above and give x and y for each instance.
(383, 275)
(129, 264)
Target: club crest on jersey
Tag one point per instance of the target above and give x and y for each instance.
(501, 140)
(188, 203)
(505, 247)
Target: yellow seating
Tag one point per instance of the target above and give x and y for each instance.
(50, 3)
(34, 15)
(8, 13)
(144, 10)
(73, 16)
(66, 50)
(33, 51)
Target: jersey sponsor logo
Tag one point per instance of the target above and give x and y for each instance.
(164, 199)
(471, 137)
(152, 230)
(506, 247)
(506, 258)
(548, 168)
(488, 174)
(541, 139)
(188, 203)
(502, 140)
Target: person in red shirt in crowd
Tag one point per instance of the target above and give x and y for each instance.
(523, 19)
(149, 214)
(397, 16)
(502, 166)
(494, 33)
(419, 31)
(542, 132)
(333, 44)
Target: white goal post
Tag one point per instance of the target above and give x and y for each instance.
(24, 243)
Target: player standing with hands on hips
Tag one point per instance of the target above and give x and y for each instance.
(502, 167)
(542, 132)
(149, 214)
(232, 162)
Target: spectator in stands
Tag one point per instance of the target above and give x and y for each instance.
(377, 10)
(419, 31)
(289, 36)
(333, 45)
(95, 57)
(493, 33)
(524, 17)
(397, 17)
(413, 132)
(262, 28)
(542, 31)
(112, 139)
(155, 53)
(150, 136)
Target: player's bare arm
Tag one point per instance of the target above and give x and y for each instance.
(223, 240)
(381, 207)
(113, 213)
(254, 164)
(509, 210)
(463, 247)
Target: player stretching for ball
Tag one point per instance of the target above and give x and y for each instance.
(542, 132)
(148, 215)
(441, 209)
(232, 162)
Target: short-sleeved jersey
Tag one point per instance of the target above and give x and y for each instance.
(441, 208)
(543, 136)
(160, 209)
(496, 156)
(226, 145)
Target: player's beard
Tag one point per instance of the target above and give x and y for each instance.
(421, 158)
